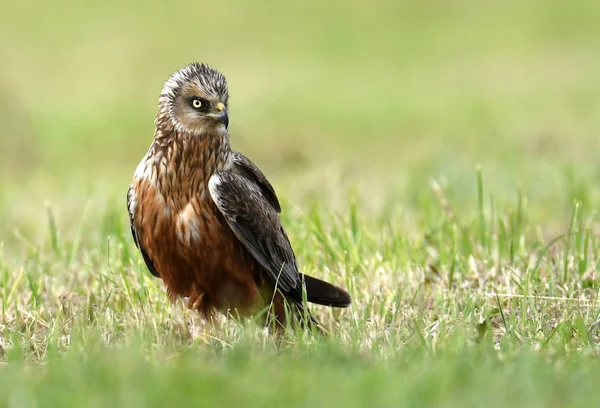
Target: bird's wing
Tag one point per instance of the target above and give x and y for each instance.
(131, 207)
(250, 214)
(245, 167)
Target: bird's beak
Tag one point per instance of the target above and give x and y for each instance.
(221, 114)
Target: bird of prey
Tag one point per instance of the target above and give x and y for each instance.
(206, 219)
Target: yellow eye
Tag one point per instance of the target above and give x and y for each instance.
(197, 103)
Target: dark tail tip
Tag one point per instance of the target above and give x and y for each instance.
(324, 293)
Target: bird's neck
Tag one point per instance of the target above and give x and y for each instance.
(184, 163)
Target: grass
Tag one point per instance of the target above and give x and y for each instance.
(438, 160)
(321, 378)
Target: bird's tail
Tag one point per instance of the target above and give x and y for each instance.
(324, 293)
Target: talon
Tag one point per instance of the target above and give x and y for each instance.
(195, 301)
(191, 299)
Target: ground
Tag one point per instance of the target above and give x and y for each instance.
(440, 160)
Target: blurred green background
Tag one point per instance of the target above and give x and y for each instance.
(374, 97)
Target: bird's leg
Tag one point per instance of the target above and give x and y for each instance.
(195, 299)
(198, 300)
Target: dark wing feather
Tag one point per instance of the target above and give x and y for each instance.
(147, 260)
(253, 219)
(245, 167)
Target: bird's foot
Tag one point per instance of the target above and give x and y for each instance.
(195, 300)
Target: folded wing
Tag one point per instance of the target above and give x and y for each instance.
(131, 206)
(251, 215)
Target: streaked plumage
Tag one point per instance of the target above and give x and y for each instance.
(205, 218)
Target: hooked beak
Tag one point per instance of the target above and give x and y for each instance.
(221, 114)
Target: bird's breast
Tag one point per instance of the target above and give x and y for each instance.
(175, 210)
(192, 222)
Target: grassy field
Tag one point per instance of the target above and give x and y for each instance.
(438, 159)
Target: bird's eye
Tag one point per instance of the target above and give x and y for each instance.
(196, 103)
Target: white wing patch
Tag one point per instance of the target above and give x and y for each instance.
(213, 184)
(213, 188)
(132, 205)
(132, 202)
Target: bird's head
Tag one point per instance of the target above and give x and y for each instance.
(195, 98)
